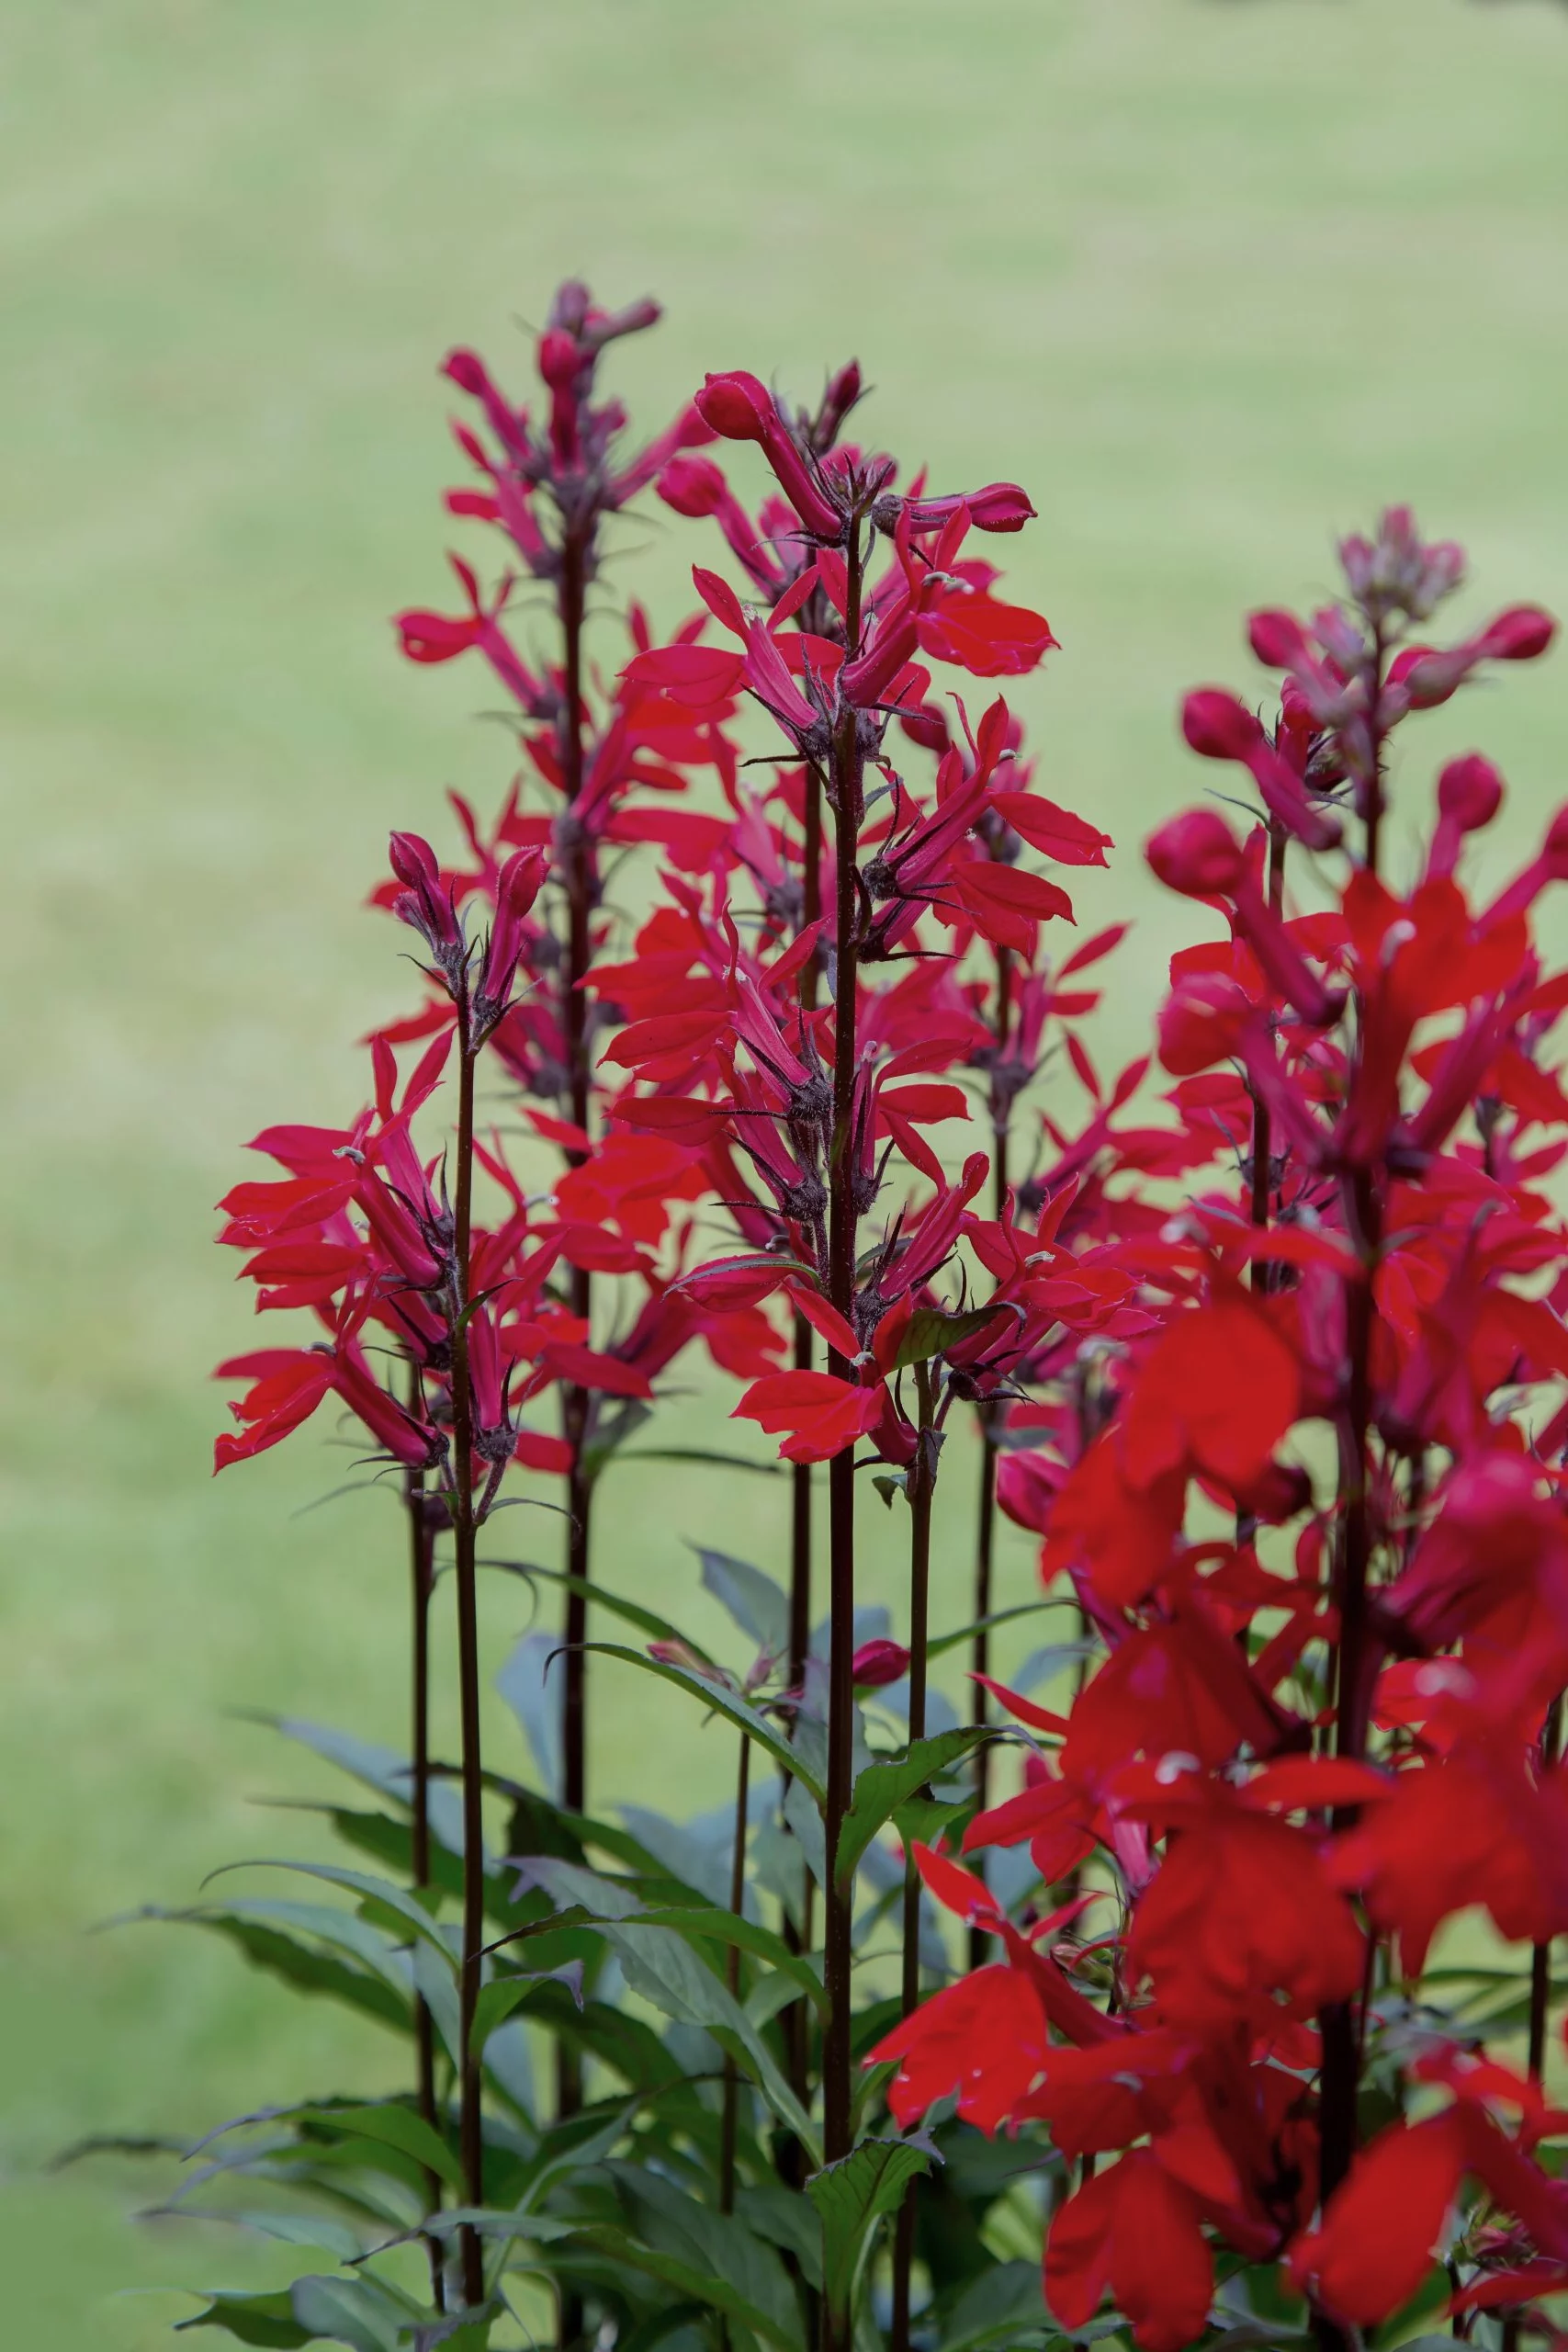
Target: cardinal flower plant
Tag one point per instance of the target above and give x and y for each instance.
(1108, 2012)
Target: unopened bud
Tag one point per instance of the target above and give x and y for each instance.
(877, 1664)
(1217, 726)
(1196, 854)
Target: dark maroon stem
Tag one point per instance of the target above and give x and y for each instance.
(421, 1580)
(471, 2124)
(729, 2115)
(1355, 1661)
(842, 1217)
(986, 1526)
(575, 1401)
(921, 1486)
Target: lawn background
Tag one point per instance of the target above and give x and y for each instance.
(1213, 280)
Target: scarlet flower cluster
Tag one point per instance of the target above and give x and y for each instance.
(1273, 1369)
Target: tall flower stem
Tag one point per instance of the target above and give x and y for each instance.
(1354, 1656)
(797, 2022)
(730, 2112)
(922, 1487)
(420, 1578)
(986, 1527)
(575, 1401)
(846, 793)
(470, 2123)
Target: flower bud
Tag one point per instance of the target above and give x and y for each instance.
(1217, 726)
(522, 879)
(738, 406)
(1277, 639)
(559, 358)
(877, 1664)
(424, 904)
(1000, 506)
(1521, 634)
(1470, 793)
(1197, 854)
(693, 486)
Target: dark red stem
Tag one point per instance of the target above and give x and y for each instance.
(921, 1487)
(472, 2125)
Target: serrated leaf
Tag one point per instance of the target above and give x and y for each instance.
(498, 1999)
(882, 1787)
(662, 1966)
(759, 1605)
(851, 2198)
(723, 1701)
(929, 1331)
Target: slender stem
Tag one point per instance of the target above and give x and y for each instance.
(1540, 1955)
(921, 1486)
(843, 1216)
(1356, 1659)
(471, 2126)
(729, 2116)
(986, 1522)
(419, 1582)
(575, 1401)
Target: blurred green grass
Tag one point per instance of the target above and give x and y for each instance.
(1214, 280)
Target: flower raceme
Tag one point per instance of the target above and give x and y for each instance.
(1317, 1738)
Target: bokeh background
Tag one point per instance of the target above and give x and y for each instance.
(1214, 280)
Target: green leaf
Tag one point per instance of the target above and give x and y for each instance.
(705, 1453)
(662, 1966)
(674, 2224)
(723, 1701)
(691, 2279)
(759, 1606)
(358, 2311)
(254, 2319)
(390, 2125)
(889, 1482)
(881, 1788)
(714, 1925)
(928, 1332)
(261, 1931)
(381, 1894)
(1002, 2300)
(298, 2229)
(851, 2198)
(612, 1429)
(498, 1999)
(646, 1620)
(998, 1617)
